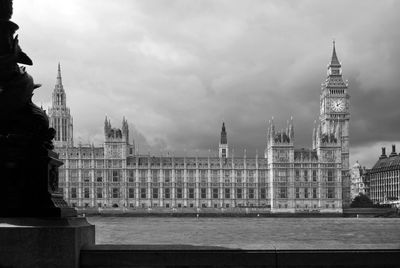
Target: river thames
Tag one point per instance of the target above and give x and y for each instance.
(251, 233)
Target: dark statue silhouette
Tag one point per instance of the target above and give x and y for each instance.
(28, 167)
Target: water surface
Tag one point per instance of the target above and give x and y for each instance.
(251, 233)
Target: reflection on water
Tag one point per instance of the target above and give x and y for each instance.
(251, 233)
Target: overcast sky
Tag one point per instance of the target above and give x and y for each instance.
(177, 69)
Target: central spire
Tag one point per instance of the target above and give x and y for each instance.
(335, 69)
(334, 59)
(59, 79)
(224, 139)
(59, 98)
(223, 145)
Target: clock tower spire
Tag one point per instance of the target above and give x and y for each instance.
(335, 113)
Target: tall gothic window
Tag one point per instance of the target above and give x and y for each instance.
(262, 193)
(143, 193)
(86, 193)
(227, 193)
(305, 192)
(305, 173)
(167, 175)
(239, 193)
(155, 193)
(167, 193)
(131, 193)
(314, 193)
(191, 193)
(215, 193)
(99, 193)
(131, 175)
(179, 194)
(154, 175)
(251, 193)
(314, 175)
(282, 192)
(115, 192)
(330, 175)
(203, 193)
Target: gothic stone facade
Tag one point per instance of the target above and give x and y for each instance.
(285, 179)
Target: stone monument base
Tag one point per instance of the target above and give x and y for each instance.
(44, 242)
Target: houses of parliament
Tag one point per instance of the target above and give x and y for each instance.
(283, 179)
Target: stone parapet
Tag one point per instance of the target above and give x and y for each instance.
(44, 242)
(109, 256)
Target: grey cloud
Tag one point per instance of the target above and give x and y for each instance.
(177, 69)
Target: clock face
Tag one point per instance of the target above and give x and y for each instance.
(337, 105)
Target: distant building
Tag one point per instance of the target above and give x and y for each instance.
(285, 179)
(384, 178)
(60, 117)
(359, 184)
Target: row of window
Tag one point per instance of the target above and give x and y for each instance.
(168, 173)
(167, 193)
(178, 180)
(306, 207)
(306, 193)
(203, 205)
(282, 192)
(116, 175)
(115, 193)
(100, 163)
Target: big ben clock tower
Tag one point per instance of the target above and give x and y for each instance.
(335, 109)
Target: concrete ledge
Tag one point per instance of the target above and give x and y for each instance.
(191, 256)
(338, 258)
(173, 256)
(43, 242)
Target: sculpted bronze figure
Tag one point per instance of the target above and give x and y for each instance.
(26, 160)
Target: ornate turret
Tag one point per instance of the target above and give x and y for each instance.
(314, 136)
(116, 140)
(291, 129)
(60, 117)
(112, 134)
(125, 129)
(285, 136)
(107, 126)
(272, 133)
(318, 135)
(223, 145)
(224, 139)
(287, 128)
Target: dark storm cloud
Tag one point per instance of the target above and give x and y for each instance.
(177, 69)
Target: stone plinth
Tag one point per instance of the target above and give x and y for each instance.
(43, 242)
